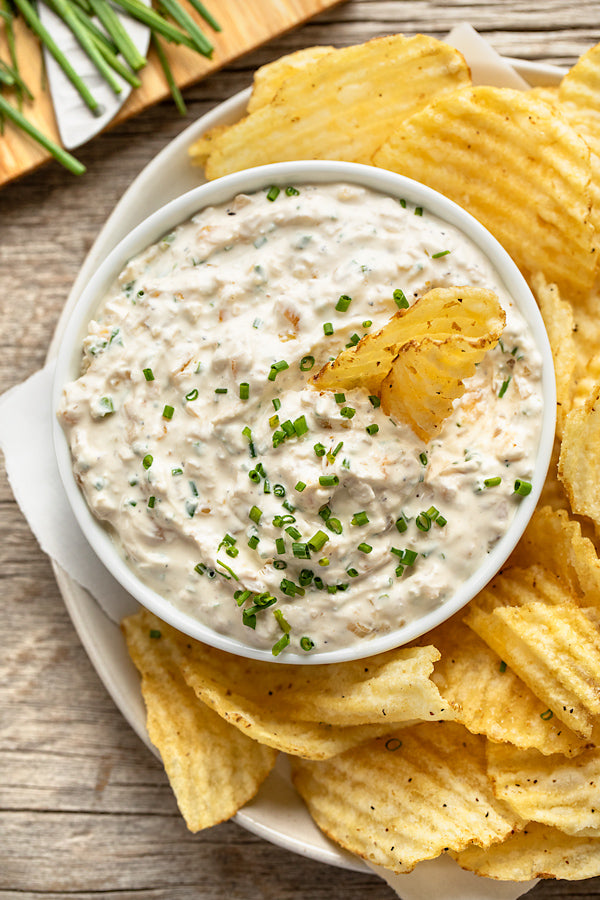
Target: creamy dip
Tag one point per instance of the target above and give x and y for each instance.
(270, 511)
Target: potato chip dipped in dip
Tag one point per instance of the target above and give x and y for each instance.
(248, 483)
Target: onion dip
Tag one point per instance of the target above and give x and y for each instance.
(268, 510)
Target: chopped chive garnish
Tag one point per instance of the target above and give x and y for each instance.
(244, 390)
(280, 545)
(151, 502)
(354, 339)
(305, 577)
(288, 427)
(423, 522)
(373, 428)
(328, 480)
(423, 458)
(148, 374)
(276, 368)
(400, 299)
(367, 323)
(255, 514)
(334, 525)
(220, 390)
(504, 386)
(107, 406)
(399, 570)
(299, 486)
(502, 666)
(522, 487)
(279, 490)
(440, 254)
(327, 328)
(410, 557)
(441, 521)
(192, 395)
(352, 573)
(432, 513)
(267, 486)
(401, 523)
(492, 482)
(306, 363)
(253, 541)
(292, 191)
(168, 412)
(347, 412)
(319, 449)
(227, 569)
(375, 401)
(306, 643)
(274, 421)
(364, 548)
(359, 518)
(546, 715)
(418, 210)
(276, 403)
(155, 634)
(177, 471)
(147, 461)
(343, 303)
(200, 568)
(273, 193)
(301, 550)
(318, 541)
(293, 532)
(254, 476)
(281, 644)
(339, 398)
(279, 564)
(324, 512)
(300, 426)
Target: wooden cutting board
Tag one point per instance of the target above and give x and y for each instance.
(246, 24)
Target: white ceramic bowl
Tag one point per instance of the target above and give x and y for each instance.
(220, 191)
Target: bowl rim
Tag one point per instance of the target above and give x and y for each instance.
(221, 190)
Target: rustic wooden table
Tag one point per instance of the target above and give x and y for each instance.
(85, 809)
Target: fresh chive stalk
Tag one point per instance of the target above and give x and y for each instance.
(169, 77)
(64, 158)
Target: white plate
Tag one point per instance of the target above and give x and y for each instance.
(276, 814)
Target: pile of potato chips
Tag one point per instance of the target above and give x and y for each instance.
(482, 739)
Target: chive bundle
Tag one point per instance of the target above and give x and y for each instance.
(107, 44)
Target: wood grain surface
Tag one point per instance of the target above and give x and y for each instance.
(245, 26)
(85, 809)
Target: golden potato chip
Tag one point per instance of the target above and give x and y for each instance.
(406, 797)
(555, 541)
(417, 362)
(213, 768)
(488, 698)
(390, 687)
(551, 790)
(263, 700)
(535, 852)
(426, 378)
(269, 78)
(517, 167)
(547, 92)
(581, 84)
(558, 319)
(577, 468)
(553, 647)
(320, 111)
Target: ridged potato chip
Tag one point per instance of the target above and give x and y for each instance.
(517, 166)
(560, 324)
(555, 541)
(270, 77)
(213, 768)
(551, 790)
(417, 362)
(577, 465)
(264, 700)
(320, 111)
(488, 698)
(551, 645)
(536, 852)
(406, 797)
